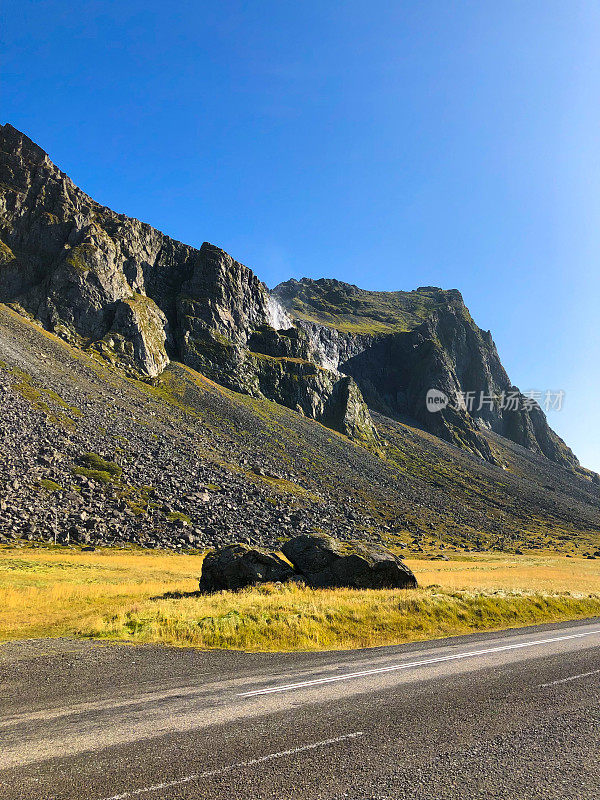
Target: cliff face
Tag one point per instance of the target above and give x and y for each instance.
(400, 345)
(111, 284)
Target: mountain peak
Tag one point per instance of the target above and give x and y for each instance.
(14, 141)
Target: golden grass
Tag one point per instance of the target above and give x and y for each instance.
(121, 595)
(50, 592)
(542, 573)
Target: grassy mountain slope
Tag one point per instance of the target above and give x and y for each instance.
(179, 461)
(349, 309)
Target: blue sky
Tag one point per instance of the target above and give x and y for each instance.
(388, 144)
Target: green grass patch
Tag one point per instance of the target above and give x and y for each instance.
(96, 468)
(95, 462)
(51, 486)
(288, 618)
(177, 516)
(98, 475)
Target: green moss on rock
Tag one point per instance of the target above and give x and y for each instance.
(96, 468)
(6, 254)
(50, 485)
(95, 462)
(80, 258)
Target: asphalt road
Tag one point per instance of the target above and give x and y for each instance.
(505, 715)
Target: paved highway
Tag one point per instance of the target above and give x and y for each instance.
(513, 714)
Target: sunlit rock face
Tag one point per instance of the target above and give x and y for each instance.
(398, 346)
(115, 285)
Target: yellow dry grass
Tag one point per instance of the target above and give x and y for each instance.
(543, 573)
(50, 592)
(121, 595)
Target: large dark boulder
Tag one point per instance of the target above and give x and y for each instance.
(237, 565)
(326, 562)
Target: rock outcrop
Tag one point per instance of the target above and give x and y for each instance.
(112, 284)
(325, 562)
(318, 560)
(120, 288)
(399, 345)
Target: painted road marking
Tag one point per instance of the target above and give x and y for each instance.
(240, 765)
(570, 678)
(396, 667)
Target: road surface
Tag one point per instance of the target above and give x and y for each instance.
(512, 714)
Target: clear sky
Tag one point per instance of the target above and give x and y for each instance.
(388, 144)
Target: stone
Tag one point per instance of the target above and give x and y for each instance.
(236, 566)
(327, 562)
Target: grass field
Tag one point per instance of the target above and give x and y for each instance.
(120, 594)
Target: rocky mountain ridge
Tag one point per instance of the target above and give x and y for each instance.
(139, 298)
(119, 288)
(399, 345)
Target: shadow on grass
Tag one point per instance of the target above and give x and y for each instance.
(178, 595)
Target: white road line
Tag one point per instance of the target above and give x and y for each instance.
(570, 678)
(395, 667)
(240, 765)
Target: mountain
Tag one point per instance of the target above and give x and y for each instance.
(159, 393)
(139, 298)
(399, 345)
(91, 454)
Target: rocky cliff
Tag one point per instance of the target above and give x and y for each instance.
(119, 288)
(91, 456)
(114, 285)
(400, 345)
